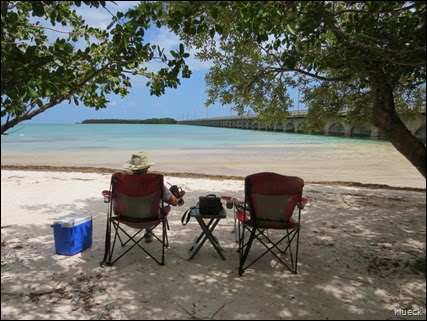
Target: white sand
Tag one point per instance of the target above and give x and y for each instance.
(359, 253)
(365, 164)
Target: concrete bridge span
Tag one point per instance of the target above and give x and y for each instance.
(293, 124)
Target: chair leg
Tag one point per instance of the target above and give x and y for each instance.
(290, 239)
(166, 232)
(290, 253)
(270, 247)
(120, 239)
(163, 242)
(107, 249)
(123, 244)
(114, 244)
(296, 253)
(246, 253)
(241, 236)
(235, 228)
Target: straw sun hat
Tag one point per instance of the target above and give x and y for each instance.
(138, 161)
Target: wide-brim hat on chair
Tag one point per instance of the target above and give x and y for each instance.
(138, 161)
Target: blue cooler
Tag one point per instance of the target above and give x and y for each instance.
(73, 234)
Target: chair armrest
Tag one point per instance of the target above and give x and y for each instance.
(303, 203)
(238, 202)
(165, 211)
(107, 196)
(232, 201)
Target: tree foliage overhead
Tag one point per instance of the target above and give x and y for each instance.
(79, 63)
(366, 58)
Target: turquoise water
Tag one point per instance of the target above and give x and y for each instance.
(172, 137)
(211, 150)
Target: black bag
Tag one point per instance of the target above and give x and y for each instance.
(210, 205)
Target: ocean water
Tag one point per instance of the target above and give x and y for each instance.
(210, 150)
(48, 137)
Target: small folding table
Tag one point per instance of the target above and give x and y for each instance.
(207, 231)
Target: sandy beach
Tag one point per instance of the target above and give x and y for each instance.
(362, 255)
(371, 166)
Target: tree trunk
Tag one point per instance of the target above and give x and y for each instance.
(384, 117)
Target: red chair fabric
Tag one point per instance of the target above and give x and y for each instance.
(135, 201)
(270, 202)
(264, 190)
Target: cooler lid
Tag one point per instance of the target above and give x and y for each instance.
(73, 220)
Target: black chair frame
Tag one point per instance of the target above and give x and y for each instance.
(261, 235)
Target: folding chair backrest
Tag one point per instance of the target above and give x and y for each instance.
(272, 197)
(137, 196)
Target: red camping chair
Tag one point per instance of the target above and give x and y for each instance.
(135, 201)
(270, 201)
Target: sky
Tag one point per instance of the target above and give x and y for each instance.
(187, 101)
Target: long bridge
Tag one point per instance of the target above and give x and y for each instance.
(292, 124)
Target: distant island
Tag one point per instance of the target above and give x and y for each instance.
(130, 121)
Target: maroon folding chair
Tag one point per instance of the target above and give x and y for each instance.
(135, 201)
(270, 201)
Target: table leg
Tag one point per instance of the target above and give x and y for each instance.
(207, 232)
(198, 238)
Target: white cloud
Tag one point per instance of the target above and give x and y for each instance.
(95, 17)
(167, 39)
(196, 64)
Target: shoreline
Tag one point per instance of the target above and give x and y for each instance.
(106, 170)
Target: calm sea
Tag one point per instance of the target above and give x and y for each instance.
(132, 137)
(183, 148)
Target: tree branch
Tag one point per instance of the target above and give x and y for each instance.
(374, 11)
(56, 101)
(148, 75)
(56, 30)
(341, 78)
(110, 12)
(283, 69)
(257, 76)
(420, 63)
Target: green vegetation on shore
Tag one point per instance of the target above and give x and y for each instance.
(131, 121)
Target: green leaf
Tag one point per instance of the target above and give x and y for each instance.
(218, 29)
(212, 33)
(39, 103)
(290, 29)
(32, 93)
(38, 8)
(113, 21)
(102, 80)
